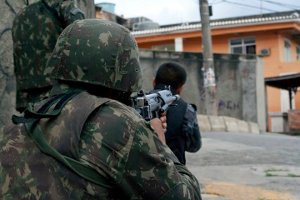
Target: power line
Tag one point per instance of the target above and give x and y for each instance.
(215, 2)
(282, 4)
(290, 6)
(249, 6)
(212, 2)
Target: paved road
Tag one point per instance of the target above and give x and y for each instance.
(245, 166)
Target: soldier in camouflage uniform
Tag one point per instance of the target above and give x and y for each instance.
(35, 31)
(82, 142)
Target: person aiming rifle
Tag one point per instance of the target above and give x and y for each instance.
(183, 132)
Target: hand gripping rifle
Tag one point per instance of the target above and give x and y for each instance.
(155, 103)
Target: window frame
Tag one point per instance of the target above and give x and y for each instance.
(298, 52)
(243, 45)
(287, 52)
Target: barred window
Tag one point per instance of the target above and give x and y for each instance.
(243, 45)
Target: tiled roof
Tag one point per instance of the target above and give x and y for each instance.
(237, 21)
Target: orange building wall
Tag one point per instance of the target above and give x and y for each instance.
(192, 45)
(297, 99)
(220, 44)
(150, 45)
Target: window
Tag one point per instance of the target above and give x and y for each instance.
(243, 46)
(298, 53)
(287, 51)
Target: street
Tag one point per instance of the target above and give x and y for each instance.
(247, 166)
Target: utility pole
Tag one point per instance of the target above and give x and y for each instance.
(208, 61)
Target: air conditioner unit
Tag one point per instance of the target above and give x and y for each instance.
(265, 52)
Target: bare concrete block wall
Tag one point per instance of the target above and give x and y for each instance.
(236, 86)
(8, 10)
(88, 7)
(235, 78)
(150, 61)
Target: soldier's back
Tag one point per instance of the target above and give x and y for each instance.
(35, 31)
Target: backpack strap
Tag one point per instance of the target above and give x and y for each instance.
(30, 115)
(190, 129)
(31, 121)
(83, 170)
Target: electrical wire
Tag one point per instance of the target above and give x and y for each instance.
(249, 6)
(215, 2)
(290, 6)
(278, 4)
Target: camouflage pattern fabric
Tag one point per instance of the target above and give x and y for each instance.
(66, 10)
(35, 31)
(114, 140)
(97, 52)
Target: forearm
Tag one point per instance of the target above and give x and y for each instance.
(188, 182)
(154, 172)
(187, 186)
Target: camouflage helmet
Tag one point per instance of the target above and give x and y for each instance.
(97, 52)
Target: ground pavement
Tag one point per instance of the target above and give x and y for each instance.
(246, 166)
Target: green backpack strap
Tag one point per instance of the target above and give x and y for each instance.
(60, 100)
(31, 119)
(81, 169)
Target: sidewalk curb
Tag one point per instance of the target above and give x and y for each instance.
(208, 123)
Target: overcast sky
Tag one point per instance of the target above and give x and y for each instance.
(180, 11)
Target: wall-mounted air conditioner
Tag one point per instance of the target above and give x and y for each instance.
(265, 52)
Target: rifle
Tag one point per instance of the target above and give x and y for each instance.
(155, 103)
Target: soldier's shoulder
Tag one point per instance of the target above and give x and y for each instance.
(124, 111)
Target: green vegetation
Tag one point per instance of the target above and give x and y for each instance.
(293, 175)
(279, 172)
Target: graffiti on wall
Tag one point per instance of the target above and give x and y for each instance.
(229, 105)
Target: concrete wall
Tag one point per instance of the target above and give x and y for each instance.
(239, 88)
(150, 60)
(88, 7)
(8, 10)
